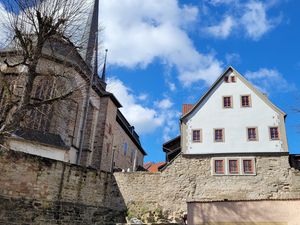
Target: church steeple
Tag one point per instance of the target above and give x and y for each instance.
(90, 39)
(103, 77)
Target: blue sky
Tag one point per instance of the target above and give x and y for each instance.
(171, 51)
(163, 53)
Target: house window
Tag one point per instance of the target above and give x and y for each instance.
(233, 80)
(274, 133)
(246, 101)
(219, 135)
(219, 166)
(132, 155)
(226, 79)
(125, 148)
(241, 166)
(248, 166)
(196, 135)
(252, 134)
(227, 102)
(233, 166)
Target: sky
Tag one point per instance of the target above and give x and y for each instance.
(164, 53)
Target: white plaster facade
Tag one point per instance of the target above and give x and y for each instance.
(209, 114)
(36, 148)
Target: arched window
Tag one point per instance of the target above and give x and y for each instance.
(41, 116)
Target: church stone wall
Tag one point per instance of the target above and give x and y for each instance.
(36, 190)
(189, 178)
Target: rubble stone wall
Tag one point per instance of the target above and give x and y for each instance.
(189, 178)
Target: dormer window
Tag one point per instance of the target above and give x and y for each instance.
(233, 80)
(227, 102)
(245, 101)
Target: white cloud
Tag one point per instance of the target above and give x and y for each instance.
(138, 32)
(208, 73)
(142, 97)
(221, 2)
(269, 80)
(249, 18)
(222, 30)
(145, 119)
(171, 124)
(171, 86)
(165, 104)
(255, 20)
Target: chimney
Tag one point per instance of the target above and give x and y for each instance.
(186, 108)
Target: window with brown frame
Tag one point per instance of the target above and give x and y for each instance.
(196, 135)
(233, 166)
(219, 135)
(248, 166)
(252, 134)
(233, 80)
(274, 133)
(246, 101)
(227, 102)
(219, 166)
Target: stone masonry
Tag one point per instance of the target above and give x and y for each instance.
(189, 178)
(37, 190)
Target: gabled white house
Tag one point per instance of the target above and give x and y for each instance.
(233, 117)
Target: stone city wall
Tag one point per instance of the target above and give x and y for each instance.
(189, 178)
(36, 190)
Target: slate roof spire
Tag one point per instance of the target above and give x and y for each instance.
(103, 77)
(90, 38)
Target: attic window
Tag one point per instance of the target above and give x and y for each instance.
(233, 80)
(227, 102)
(252, 134)
(226, 79)
(246, 101)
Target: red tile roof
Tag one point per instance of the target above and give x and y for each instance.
(147, 165)
(155, 167)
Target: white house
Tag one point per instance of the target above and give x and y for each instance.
(233, 117)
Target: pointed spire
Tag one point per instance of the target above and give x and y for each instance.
(90, 39)
(103, 77)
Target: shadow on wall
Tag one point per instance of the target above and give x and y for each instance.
(36, 190)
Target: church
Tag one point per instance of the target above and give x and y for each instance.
(87, 129)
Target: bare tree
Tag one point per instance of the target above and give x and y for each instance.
(34, 26)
